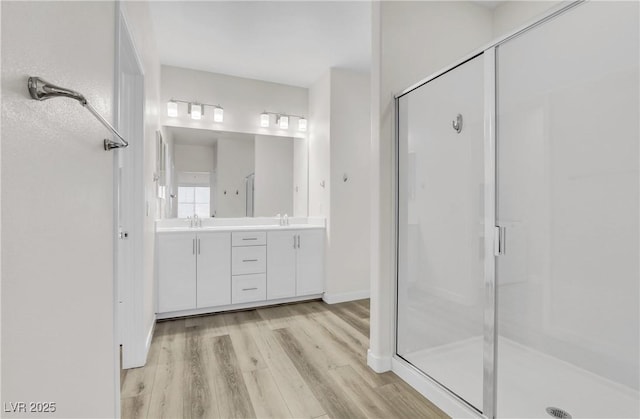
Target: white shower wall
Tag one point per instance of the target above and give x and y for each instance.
(569, 189)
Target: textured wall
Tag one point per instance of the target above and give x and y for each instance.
(58, 340)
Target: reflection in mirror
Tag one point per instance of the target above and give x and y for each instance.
(226, 174)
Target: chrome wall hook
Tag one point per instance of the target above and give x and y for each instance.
(457, 123)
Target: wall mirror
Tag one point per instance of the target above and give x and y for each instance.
(229, 174)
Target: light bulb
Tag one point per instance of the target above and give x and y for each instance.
(284, 122)
(172, 108)
(218, 114)
(302, 124)
(264, 120)
(195, 110)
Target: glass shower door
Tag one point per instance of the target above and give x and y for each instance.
(440, 230)
(568, 190)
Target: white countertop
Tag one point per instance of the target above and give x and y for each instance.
(174, 225)
(237, 228)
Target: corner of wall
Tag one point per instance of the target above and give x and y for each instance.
(378, 363)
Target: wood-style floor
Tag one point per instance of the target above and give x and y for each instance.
(305, 360)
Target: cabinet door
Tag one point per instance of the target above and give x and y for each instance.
(214, 269)
(310, 262)
(176, 272)
(281, 264)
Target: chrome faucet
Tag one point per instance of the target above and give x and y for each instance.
(286, 220)
(197, 222)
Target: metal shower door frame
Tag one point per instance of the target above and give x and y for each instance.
(489, 179)
(491, 229)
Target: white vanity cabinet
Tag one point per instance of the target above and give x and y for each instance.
(248, 266)
(281, 264)
(295, 263)
(225, 268)
(176, 271)
(194, 270)
(213, 269)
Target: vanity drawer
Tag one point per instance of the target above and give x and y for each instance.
(248, 238)
(248, 260)
(248, 288)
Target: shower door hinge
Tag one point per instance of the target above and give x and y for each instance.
(499, 242)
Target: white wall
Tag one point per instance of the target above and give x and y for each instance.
(350, 136)
(339, 132)
(274, 176)
(510, 15)
(58, 341)
(194, 158)
(411, 40)
(138, 18)
(243, 101)
(563, 191)
(319, 146)
(235, 161)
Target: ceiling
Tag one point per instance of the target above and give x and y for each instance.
(291, 42)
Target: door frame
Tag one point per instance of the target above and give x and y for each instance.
(129, 110)
(488, 320)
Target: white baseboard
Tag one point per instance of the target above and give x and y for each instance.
(147, 344)
(345, 296)
(378, 363)
(442, 398)
(242, 306)
(139, 351)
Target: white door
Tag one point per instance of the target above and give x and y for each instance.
(213, 269)
(123, 247)
(176, 272)
(129, 189)
(310, 262)
(281, 264)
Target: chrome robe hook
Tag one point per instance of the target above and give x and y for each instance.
(457, 123)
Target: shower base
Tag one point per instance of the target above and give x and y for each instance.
(528, 381)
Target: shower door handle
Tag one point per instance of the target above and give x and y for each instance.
(500, 241)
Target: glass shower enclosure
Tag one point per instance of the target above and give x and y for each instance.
(518, 221)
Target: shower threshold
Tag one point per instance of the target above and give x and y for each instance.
(529, 381)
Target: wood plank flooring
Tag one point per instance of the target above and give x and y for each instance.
(304, 360)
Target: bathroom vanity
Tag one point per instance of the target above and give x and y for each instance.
(227, 264)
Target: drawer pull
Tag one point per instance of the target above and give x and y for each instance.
(250, 289)
(249, 260)
(249, 238)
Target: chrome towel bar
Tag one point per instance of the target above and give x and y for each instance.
(42, 90)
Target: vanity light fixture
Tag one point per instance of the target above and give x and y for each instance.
(196, 111)
(264, 120)
(282, 120)
(172, 108)
(218, 113)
